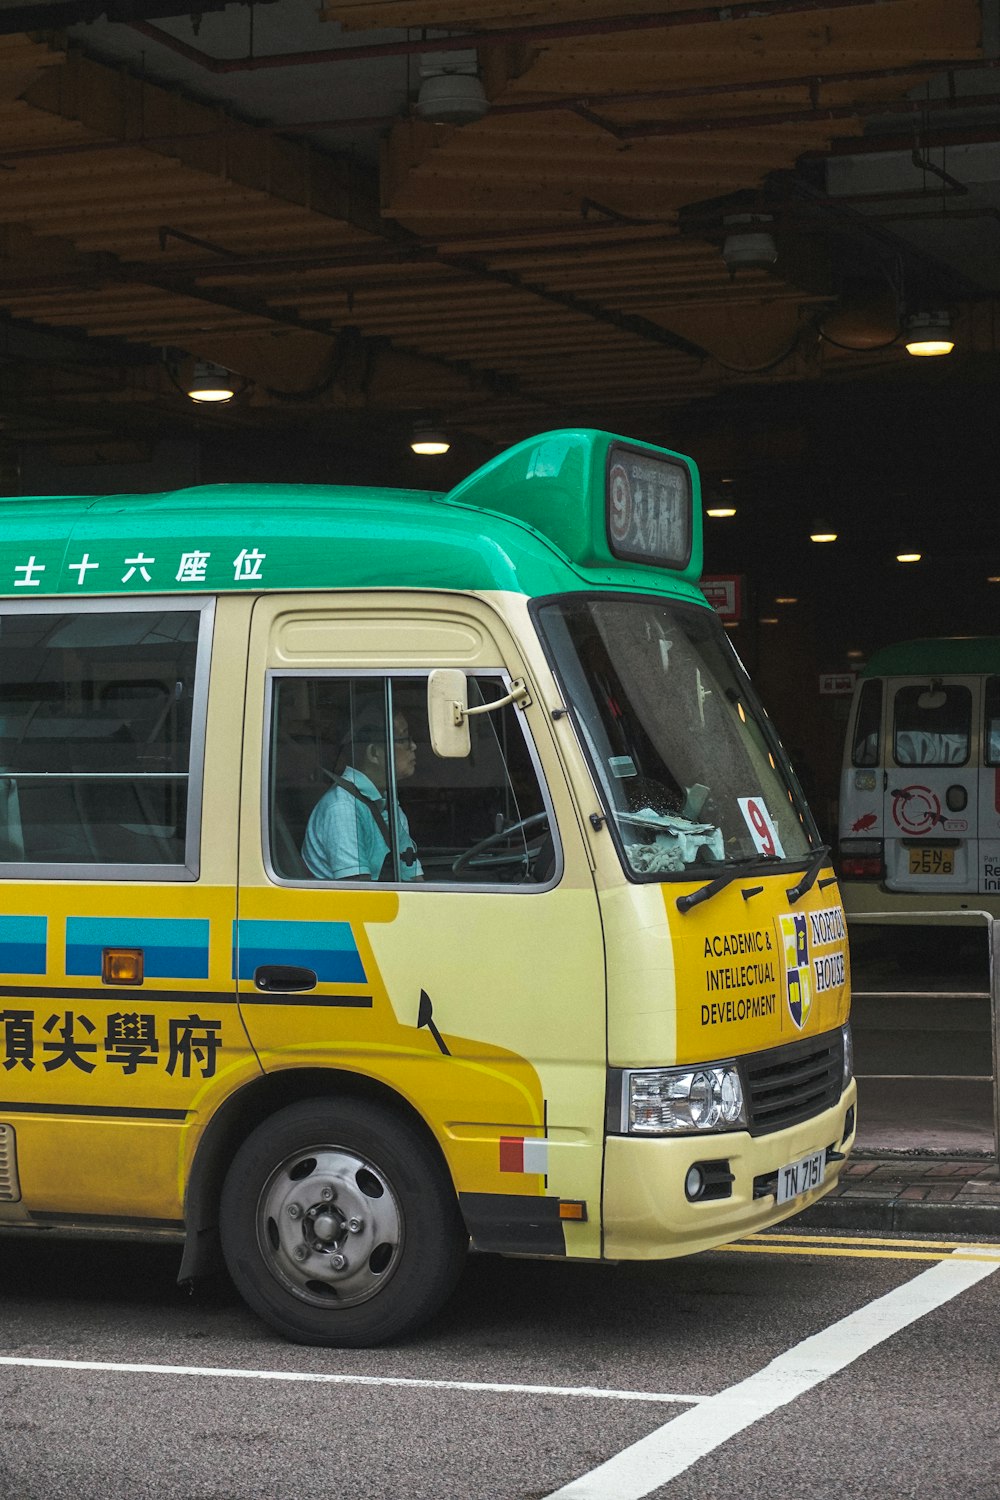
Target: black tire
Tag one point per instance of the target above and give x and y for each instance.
(339, 1224)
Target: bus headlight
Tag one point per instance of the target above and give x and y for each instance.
(680, 1101)
(848, 1055)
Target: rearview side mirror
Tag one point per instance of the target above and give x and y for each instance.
(447, 713)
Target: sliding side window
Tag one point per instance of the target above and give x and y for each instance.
(101, 731)
(355, 792)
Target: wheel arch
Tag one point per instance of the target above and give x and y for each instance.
(240, 1114)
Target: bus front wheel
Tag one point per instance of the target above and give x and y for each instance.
(339, 1225)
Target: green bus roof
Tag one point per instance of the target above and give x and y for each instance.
(936, 657)
(532, 521)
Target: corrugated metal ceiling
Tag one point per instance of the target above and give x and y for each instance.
(170, 194)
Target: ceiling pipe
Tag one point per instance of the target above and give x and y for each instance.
(876, 145)
(657, 21)
(816, 115)
(414, 251)
(588, 104)
(60, 14)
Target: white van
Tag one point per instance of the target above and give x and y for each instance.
(920, 788)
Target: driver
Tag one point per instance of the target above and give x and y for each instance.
(347, 837)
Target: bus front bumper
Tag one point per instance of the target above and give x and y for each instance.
(648, 1216)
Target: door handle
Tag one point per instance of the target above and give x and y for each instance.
(283, 977)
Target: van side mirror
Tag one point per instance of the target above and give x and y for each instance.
(447, 713)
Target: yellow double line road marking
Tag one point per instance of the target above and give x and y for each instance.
(862, 1247)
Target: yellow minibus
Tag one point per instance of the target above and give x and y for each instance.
(388, 872)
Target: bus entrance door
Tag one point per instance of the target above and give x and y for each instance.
(425, 929)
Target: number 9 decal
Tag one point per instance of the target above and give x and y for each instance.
(762, 829)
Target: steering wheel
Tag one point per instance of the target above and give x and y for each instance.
(521, 826)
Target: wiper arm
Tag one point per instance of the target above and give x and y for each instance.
(819, 859)
(731, 873)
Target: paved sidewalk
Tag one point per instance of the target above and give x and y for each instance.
(916, 1194)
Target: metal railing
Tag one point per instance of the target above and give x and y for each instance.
(962, 918)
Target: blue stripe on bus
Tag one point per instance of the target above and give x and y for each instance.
(22, 945)
(328, 948)
(157, 963)
(173, 948)
(138, 932)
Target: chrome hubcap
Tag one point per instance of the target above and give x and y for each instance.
(330, 1226)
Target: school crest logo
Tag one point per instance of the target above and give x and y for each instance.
(798, 988)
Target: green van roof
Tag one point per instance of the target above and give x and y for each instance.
(531, 521)
(936, 657)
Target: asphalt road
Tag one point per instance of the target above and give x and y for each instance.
(505, 1396)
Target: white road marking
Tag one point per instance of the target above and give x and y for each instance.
(656, 1459)
(594, 1393)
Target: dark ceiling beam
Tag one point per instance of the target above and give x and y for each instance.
(30, 343)
(890, 141)
(108, 270)
(813, 83)
(496, 380)
(55, 16)
(189, 281)
(705, 15)
(838, 218)
(815, 115)
(641, 328)
(347, 263)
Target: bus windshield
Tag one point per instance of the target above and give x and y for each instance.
(690, 770)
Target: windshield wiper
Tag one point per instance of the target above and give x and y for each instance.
(730, 873)
(819, 859)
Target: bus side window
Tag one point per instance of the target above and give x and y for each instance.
(344, 806)
(868, 725)
(991, 723)
(96, 736)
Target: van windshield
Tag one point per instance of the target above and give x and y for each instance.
(690, 770)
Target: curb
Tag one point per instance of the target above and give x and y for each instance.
(892, 1215)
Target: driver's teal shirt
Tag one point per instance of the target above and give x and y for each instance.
(344, 841)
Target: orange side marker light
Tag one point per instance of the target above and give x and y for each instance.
(121, 965)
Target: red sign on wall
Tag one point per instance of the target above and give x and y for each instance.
(837, 684)
(724, 592)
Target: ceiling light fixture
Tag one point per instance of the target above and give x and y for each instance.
(429, 442)
(821, 532)
(720, 512)
(451, 91)
(786, 599)
(908, 557)
(211, 383)
(929, 334)
(749, 244)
